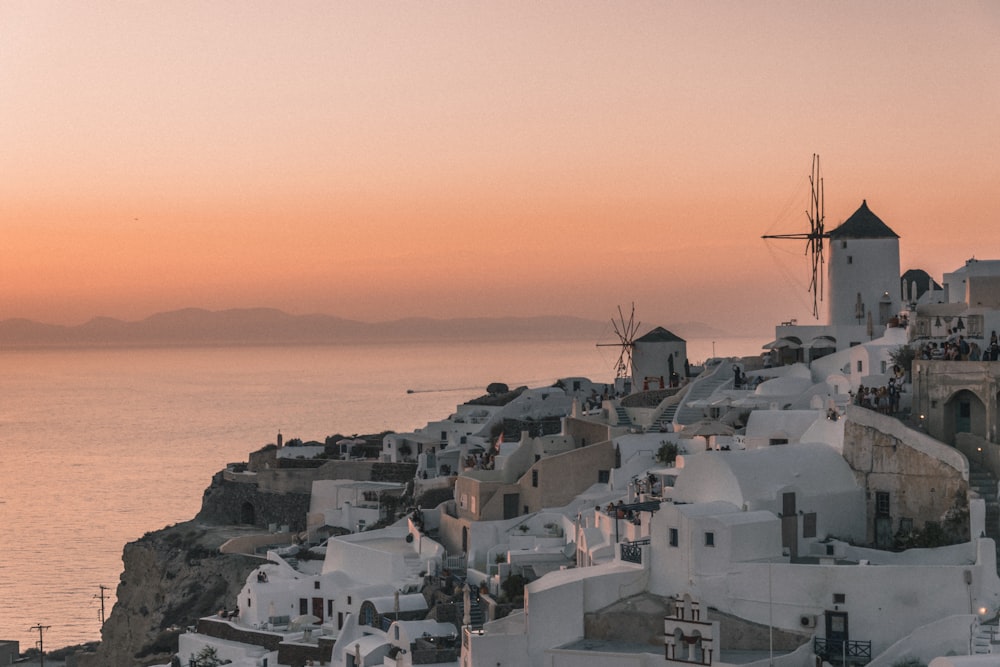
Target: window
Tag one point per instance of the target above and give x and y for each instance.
(348, 599)
(249, 602)
(843, 244)
(778, 441)
(709, 539)
(673, 537)
(809, 524)
(316, 585)
(850, 260)
(882, 503)
(861, 366)
(534, 478)
(839, 598)
(329, 608)
(884, 366)
(603, 476)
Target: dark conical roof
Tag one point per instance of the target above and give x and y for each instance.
(660, 335)
(863, 224)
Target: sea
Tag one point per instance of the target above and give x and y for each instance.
(101, 446)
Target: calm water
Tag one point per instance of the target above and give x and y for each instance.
(102, 446)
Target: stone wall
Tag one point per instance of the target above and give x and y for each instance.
(286, 503)
(232, 503)
(922, 487)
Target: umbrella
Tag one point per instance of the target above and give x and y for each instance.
(705, 428)
(304, 619)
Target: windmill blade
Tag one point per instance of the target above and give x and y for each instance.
(625, 331)
(814, 237)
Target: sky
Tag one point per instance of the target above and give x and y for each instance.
(376, 160)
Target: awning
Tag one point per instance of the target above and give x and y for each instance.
(790, 343)
(821, 342)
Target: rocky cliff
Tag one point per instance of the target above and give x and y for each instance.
(176, 575)
(172, 577)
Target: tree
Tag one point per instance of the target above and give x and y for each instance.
(903, 357)
(513, 587)
(206, 657)
(667, 453)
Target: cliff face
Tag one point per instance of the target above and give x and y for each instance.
(172, 577)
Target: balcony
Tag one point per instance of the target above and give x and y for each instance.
(631, 552)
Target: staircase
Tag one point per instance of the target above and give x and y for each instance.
(623, 418)
(703, 387)
(414, 566)
(984, 639)
(477, 615)
(985, 484)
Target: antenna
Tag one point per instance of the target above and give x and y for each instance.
(814, 237)
(626, 341)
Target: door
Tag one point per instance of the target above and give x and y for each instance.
(789, 524)
(883, 520)
(836, 633)
(963, 417)
(318, 608)
(510, 503)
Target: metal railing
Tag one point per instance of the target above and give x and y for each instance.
(632, 551)
(843, 651)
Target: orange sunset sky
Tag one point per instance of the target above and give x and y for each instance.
(376, 160)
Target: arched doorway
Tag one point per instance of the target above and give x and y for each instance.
(248, 514)
(964, 412)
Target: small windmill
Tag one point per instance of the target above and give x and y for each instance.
(626, 341)
(814, 237)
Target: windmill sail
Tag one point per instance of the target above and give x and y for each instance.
(625, 330)
(815, 236)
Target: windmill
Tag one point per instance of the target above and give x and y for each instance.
(626, 341)
(814, 237)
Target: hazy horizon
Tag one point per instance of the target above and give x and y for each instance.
(377, 161)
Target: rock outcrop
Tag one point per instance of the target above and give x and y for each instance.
(172, 577)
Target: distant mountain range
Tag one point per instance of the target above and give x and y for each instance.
(268, 326)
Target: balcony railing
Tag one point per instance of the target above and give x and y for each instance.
(843, 652)
(632, 551)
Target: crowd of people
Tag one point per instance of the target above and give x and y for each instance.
(957, 348)
(884, 399)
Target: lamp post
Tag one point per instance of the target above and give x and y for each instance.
(770, 617)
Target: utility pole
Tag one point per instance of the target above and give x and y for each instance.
(41, 646)
(103, 588)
